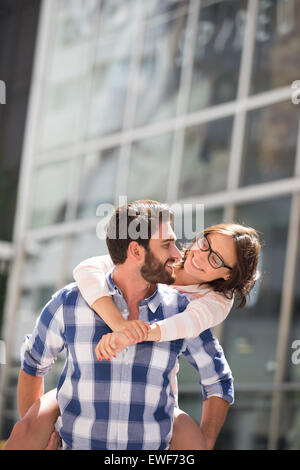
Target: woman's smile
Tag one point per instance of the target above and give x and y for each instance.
(194, 264)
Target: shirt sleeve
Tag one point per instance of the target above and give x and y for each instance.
(41, 348)
(206, 355)
(202, 312)
(91, 279)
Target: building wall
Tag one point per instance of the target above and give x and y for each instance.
(180, 101)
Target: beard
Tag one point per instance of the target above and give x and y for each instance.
(155, 271)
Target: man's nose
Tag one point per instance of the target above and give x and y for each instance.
(175, 253)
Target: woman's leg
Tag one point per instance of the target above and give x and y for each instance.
(186, 433)
(33, 431)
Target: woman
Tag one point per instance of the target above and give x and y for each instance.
(221, 263)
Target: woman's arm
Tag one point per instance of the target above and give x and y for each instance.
(90, 276)
(203, 312)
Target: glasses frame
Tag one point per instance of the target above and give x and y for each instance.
(211, 252)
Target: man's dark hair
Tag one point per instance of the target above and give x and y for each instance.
(137, 221)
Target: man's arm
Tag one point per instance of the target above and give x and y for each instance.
(38, 353)
(30, 389)
(207, 356)
(214, 412)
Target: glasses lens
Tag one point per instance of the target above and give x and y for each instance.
(202, 243)
(215, 260)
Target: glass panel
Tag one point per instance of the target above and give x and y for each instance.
(161, 67)
(213, 217)
(247, 423)
(276, 58)
(293, 353)
(191, 403)
(191, 219)
(68, 65)
(41, 277)
(84, 246)
(50, 193)
(250, 334)
(270, 143)
(149, 168)
(167, 7)
(98, 181)
(220, 38)
(118, 23)
(188, 221)
(290, 422)
(206, 157)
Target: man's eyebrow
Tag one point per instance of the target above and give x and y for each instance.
(171, 239)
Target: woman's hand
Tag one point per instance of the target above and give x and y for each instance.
(110, 344)
(53, 442)
(136, 331)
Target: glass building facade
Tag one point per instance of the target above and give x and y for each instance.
(179, 101)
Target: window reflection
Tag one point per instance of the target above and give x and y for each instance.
(219, 43)
(270, 143)
(118, 23)
(192, 219)
(205, 158)
(293, 352)
(250, 334)
(149, 168)
(188, 221)
(247, 424)
(97, 181)
(290, 422)
(66, 75)
(41, 278)
(276, 59)
(167, 7)
(161, 67)
(51, 186)
(84, 245)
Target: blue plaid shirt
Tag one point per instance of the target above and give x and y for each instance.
(128, 403)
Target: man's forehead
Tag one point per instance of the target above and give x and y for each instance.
(165, 232)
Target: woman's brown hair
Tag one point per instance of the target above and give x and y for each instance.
(245, 272)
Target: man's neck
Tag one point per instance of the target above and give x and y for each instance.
(133, 287)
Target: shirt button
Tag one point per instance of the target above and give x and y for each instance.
(126, 363)
(125, 310)
(124, 395)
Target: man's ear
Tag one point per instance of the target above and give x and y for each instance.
(135, 251)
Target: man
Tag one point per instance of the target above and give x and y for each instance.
(127, 403)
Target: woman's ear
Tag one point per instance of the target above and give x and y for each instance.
(226, 277)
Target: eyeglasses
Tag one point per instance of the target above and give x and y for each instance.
(214, 259)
